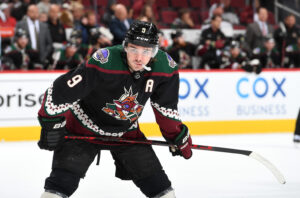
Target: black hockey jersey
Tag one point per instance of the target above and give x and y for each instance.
(102, 96)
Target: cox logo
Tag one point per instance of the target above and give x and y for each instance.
(186, 87)
(260, 87)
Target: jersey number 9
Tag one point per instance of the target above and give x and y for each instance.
(74, 81)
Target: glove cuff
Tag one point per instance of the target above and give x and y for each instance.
(182, 136)
(52, 123)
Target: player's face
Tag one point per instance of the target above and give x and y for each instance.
(22, 42)
(235, 52)
(269, 45)
(216, 23)
(71, 50)
(137, 56)
(290, 21)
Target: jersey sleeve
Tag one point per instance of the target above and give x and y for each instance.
(164, 102)
(67, 89)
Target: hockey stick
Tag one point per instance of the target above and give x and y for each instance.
(251, 154)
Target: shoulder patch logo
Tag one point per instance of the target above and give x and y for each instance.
(172, 63)
(101, 55)
(125, 108)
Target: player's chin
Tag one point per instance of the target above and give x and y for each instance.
(137, 67)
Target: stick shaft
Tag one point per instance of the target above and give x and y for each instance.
(160, 143)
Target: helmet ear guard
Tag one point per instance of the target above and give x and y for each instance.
(155, 50)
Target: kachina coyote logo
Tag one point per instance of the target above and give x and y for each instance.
(126, 108)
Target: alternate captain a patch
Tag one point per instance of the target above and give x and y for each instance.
(126, 108)
(172, 63)
(101, 55)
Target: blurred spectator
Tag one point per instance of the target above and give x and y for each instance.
(19, 8)
(286, 35)
(182, 51)
(256, 31)
(163, 41)
(148, 13)
(44, 6)
(109, 13)
(6, 20)
(184, 21)
(77, 12)
(225, 9)
(58, 2)
(143, 18)
(67, 58)
(66, 16)
(57, 30)
(234, 57)
(225, 26)
(97, 41)
(43, 17)
(292, 55)
(213, 7)
(119, 24)
(87, 23)
(39, 34)
(138, 6)
(255, 10)
(19, 55)
(267, 54)
(211, 43)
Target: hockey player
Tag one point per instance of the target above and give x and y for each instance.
(69, 57)
(234, 57)
(292, 52)
(20, 54)
(212, 42)
(105, 97)
(268, 54)
(181, 50)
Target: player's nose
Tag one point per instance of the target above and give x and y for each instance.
(138, 57)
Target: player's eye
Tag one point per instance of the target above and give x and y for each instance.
(147, 52)
(132, 50)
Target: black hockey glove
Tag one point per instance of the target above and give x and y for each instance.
(183, 144)
(253, 66)
(248, 68)
(52, 133)
(257, 69)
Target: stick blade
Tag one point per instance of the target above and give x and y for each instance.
(280, 178)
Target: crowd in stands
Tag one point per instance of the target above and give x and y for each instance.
(41, 39)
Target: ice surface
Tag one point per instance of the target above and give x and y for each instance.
(23, 168)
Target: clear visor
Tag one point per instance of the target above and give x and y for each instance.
(149, 52)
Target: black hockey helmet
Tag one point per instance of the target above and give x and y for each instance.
(234, 44)
(143, 34)
(269, 38)
(20, 33)
(94, 35)
(176, 34)
(76, 33)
